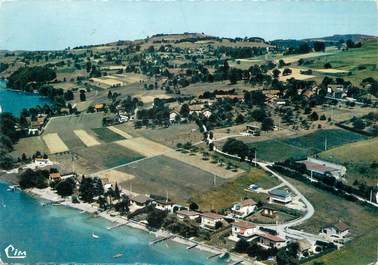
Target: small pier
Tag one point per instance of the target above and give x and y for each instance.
(115, 226)
(153, 242)
(214, 255)
(192, 246)
(237, 262)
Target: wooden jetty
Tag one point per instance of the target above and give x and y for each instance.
(153, 242)
(192, 246)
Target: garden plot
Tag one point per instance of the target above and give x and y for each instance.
(86, 138)
(54, 143)
(144, 146)
(120, 132)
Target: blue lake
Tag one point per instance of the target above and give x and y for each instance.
(56, 234)
(14, 101)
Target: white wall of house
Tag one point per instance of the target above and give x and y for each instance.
(244, 211)
(209, 222)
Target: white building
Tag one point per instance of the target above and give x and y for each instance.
(324, 168)
(243, 208)
(164, 205)
(210, 220)
(280, 196)
(42, 162)
(243, 229)
(339, 230)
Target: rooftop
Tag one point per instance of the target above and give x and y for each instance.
(279, 193)
(272, 237)
(211, 215)
(244, 224)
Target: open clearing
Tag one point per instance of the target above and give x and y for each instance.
(74, 122)
(232, 191)
(107, 155)
(144, 146)
(86, 138)
(296, 73)
(160, 174)
(301, 146)
(29, 146)
(363, 223)
(54, 143)
(120, 132)
(115, 176)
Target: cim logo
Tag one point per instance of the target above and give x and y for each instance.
(13, 253)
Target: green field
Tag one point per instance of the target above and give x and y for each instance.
(361, 62)
(363, 223)
(160, 174)
(108, 155)
(72, 122)
(301, 146)
(107, 135)
(233, 191)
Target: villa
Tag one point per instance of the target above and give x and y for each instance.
(209, 220)
(140, 201)
(244, 208)
(243, 229)
(164, 205)
(271, 241)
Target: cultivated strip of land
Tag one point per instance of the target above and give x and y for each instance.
(54, 143)
(144, 146)
(86, 138)
(120, 132)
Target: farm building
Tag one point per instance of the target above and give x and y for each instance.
(243, 208)
(210, 220)
(323, 168)
(280, 196)
(42, 162)
(191, 215)
(268, 211)
(336, 91)
(339, 229)
(243, 229)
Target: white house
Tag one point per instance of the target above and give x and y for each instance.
(191, 215)
(172, 116)
(339, 230)
(206, 113)
(164, 205)
(42, 162)
(243, 229)
(271, 241)
(280, 196)
(243, 208)
(209, 220)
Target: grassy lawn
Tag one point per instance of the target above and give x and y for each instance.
(359, 165)
(232, 191)
(108, 155)
(73, 122)
(160, 174)
(29, 146)
(363, 223)
(107, 135)
(361, 62)
(302, 146)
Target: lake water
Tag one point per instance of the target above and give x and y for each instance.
(14, 101)
(57, 234)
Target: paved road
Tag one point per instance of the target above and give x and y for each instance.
(310, 209)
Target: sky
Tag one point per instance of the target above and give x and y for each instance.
(57, 24)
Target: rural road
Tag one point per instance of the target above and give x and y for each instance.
(310, 209)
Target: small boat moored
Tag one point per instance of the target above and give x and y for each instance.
(95, 236)
(118, 255)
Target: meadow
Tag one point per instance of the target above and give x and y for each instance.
(300, 147)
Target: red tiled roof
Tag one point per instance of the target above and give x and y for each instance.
(247, 202)
(318, 167)
(244, 224)
(341, 226)
(187, 213)
(272, 237)
(211, 215)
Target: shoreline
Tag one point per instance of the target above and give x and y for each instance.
(49, 195)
